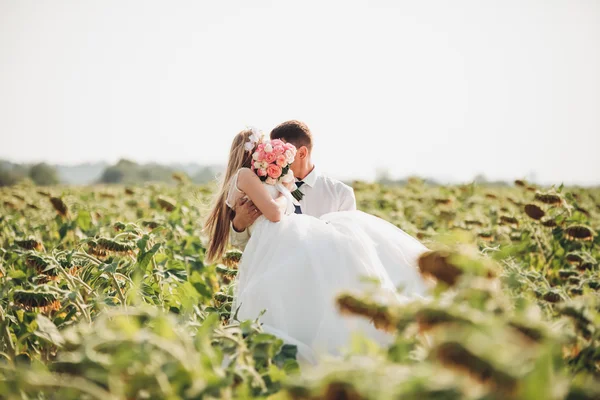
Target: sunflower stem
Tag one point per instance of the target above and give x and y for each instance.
(6, 333)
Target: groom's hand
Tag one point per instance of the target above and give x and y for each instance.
(245, 214)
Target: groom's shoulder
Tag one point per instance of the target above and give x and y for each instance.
(337, 184)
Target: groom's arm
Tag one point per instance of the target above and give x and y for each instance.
(245, 215)
(238, 239)
(347, 198)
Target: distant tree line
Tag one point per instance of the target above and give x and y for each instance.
(383, 176)
(41, 174)
(123, 172)
(130, 172)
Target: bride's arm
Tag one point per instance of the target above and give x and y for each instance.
(250, 184)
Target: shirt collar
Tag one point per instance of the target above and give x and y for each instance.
(311, 178)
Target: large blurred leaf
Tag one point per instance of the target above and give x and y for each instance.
(84, 220)
(48, 331)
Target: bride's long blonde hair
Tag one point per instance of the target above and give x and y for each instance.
(217, 223)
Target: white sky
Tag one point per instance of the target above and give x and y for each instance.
(446, 89)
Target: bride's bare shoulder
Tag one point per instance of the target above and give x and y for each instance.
(245, 176)
(246, 173)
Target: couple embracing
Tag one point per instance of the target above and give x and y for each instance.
(304, 243)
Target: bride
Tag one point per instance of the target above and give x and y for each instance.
(294, 265)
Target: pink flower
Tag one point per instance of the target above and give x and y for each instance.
(260, 147)
(281, 160)
(277, 142)
(261, 172)
(274, 171)
(279, 149)
(270, 157)
(260, 155)
(289, 146)
(289, 155)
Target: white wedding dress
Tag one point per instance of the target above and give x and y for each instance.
(295, 268)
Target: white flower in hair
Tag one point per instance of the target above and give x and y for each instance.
(254, 138)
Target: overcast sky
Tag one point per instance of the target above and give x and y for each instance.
(446, 89)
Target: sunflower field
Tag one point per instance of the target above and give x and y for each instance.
(104, 294)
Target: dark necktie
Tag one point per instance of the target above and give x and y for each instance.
(298, 209)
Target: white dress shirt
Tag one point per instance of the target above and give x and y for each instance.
(322, 195)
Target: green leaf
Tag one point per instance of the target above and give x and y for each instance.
(48, 331)
(188, 296)
(198, 282)
(144, 258)
(291, 367)
(160, 258)
(288, 351)
(17, 274)
(141, 244)
(263, 338)
(64, 229)
(276, 374)
(84, 220)
(110, 268)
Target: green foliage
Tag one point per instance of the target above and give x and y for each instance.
(43, 174)
(40, 174)
(105, 294)
(10, 176)
(129, 172)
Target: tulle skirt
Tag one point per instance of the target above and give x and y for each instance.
(294, 269)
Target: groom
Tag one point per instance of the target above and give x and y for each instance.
(321, 194)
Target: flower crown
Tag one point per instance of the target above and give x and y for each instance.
(256, 137)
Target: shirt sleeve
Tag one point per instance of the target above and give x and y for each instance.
(238, 239)
(347, 199)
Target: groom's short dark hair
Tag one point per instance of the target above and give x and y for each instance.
(294, 132)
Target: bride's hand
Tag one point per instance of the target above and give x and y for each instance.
(291, 186)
